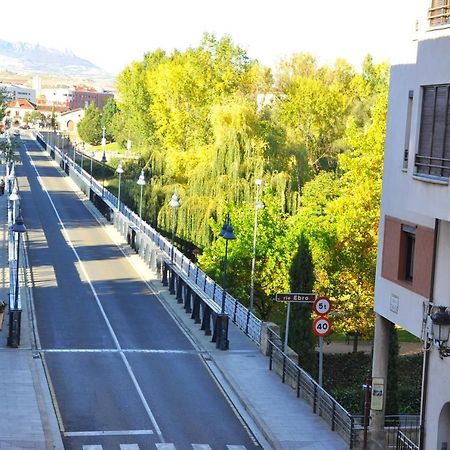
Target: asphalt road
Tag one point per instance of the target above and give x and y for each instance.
(122, 373)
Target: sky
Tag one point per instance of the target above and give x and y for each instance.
(113, 33)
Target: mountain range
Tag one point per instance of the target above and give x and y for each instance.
(23, 57)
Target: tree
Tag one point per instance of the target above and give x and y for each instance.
(4, 98)
(90, 126)
(392, 379)
(301, 338)
(109, 111)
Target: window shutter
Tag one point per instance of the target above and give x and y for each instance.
(440, 120)
(426, 127)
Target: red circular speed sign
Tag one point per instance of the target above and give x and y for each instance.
(322, 306)
(322, 326)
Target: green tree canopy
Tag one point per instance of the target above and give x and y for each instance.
(90, 126)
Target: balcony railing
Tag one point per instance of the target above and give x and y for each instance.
(432, 166)
(439, 15)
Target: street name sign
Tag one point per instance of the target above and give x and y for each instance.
(293, 297)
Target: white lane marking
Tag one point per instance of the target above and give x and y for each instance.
(92, 447)
(107, 433)
(105, 318)
(115, 350)
(201, 447)
(236, 447)
(165, 446)
(129, 447)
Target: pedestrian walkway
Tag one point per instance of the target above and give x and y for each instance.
(28, 420)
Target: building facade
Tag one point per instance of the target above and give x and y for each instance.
(74, 98)
(18, 92)
(82, 98)
(413, 267)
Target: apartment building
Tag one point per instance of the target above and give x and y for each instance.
(19, 92)
(413, 268)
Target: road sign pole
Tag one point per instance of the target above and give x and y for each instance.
(286, 334)
(320, 361)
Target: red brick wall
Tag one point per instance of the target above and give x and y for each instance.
(394, 256)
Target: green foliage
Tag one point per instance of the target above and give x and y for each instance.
(90, 126)
(7, 149)
(209, 121)
(344, 375)
(107, 116)
(4, 99)
(301, 338)
(392, 378)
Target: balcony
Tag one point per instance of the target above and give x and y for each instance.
(439, 13)
(436, 168)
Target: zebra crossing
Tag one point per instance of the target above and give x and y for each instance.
(164, 446)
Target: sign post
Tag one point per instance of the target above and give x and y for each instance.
(292, 297)
(321, 328)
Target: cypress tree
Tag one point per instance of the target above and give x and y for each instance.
(392, 378)
(301, 338)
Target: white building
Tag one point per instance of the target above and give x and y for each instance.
(413, 268)
(18, 92)
(57, 96)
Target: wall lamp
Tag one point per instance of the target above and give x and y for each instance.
(440, 328)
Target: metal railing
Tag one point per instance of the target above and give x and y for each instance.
(404, 443)
(439, 15)
(322, 403)
(432, 166)
(239, 314)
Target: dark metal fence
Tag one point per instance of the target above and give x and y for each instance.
(306, 388)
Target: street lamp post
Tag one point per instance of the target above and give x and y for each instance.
(141, 183)
(104, 160)
(222, 318)
(15, 313)
(92, 160)
(174, 204)
(13, 198)
(119, 170)
(11, 177)
(258, 206)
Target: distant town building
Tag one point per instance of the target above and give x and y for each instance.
(74, 98)
(55, 97)
(68, 120)
(17, 91)
(413, 267)
(83, 97)
(16, 110)
(37, 85)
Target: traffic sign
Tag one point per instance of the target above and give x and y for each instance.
(322, 326)
(295, 297)
(322, 306)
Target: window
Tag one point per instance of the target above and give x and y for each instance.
(433, 155)
(439, 13)
(408, 129)
(408, 242)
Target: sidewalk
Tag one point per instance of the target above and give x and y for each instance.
(28, 420)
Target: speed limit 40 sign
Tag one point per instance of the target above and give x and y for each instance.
(322, 326)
